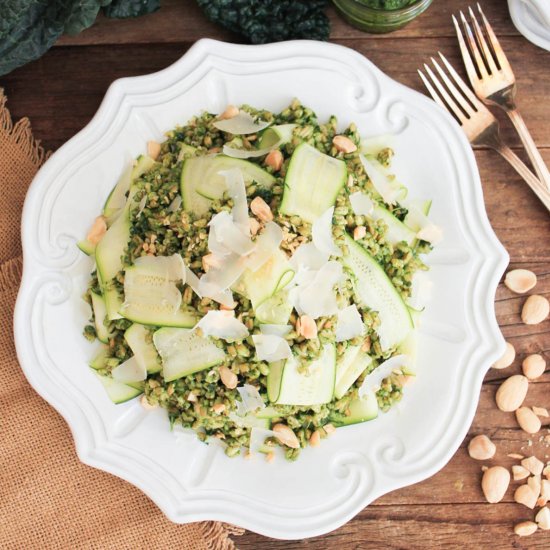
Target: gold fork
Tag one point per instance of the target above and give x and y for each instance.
(493, 80)
(478, 123)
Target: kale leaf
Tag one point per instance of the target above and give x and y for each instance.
(28, 28)
(122, 9)
(81, 14)
(262, 21)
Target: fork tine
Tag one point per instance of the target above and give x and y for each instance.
(480, 64)
(485, 51)
(501, 58)
(466, 107)
(470, 67)
(433, 93)
(451, 103)
(461, 84)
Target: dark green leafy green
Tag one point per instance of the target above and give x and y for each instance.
(122, 9)
(28, 28)
(262, 21)
(80, 15)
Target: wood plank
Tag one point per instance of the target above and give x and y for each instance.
(182, 21)
(418, 528)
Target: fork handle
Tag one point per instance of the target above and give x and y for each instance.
(534, 154)
(538, 188)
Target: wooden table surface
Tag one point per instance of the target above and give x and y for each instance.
(61, 92)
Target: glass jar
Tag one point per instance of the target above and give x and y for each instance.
(362, 15)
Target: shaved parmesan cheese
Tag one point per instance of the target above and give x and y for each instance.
(431, 234)
(350, 324)
(266, 245)
(130, 371)
(389, 193)
(426, 229)
(251, 400)
(271, 348)
(193, 281)
(219, 279)
(421, 291)
(374, 379)
(226, 235)
(361, 204)
(222, 324)
(321, 232)
(277, 330)
(308, 256)
(318, 298)
(241, 124)
(237, 191)
(174, 206)
(258, 437)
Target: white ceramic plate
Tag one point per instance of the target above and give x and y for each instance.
(459, 337)
(531, 22)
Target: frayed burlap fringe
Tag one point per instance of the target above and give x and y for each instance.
(216, 535)
(21, 134)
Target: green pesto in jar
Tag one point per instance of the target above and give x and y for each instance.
(388, 4)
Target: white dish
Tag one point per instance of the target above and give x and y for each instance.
(532, 19)
(459, 337)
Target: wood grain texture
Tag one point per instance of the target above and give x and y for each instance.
(61, 92)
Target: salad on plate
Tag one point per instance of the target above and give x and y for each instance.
(260, 276)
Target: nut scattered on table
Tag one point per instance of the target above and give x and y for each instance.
(511, 393)
(533, 464)
(517, 456)
(543, 518)
(540, 411)
(525, 528)
(507, 358)
(535, 310)
(535, 483)
(519, 472)
(528, 421)
(494, 483)
(481, 448)
(520, 281)
(533, 366)
(526, 496)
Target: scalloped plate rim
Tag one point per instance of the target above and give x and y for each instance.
(85, 441)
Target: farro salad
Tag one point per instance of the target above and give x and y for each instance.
(259, 276)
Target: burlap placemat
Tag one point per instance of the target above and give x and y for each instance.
(48, 499)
